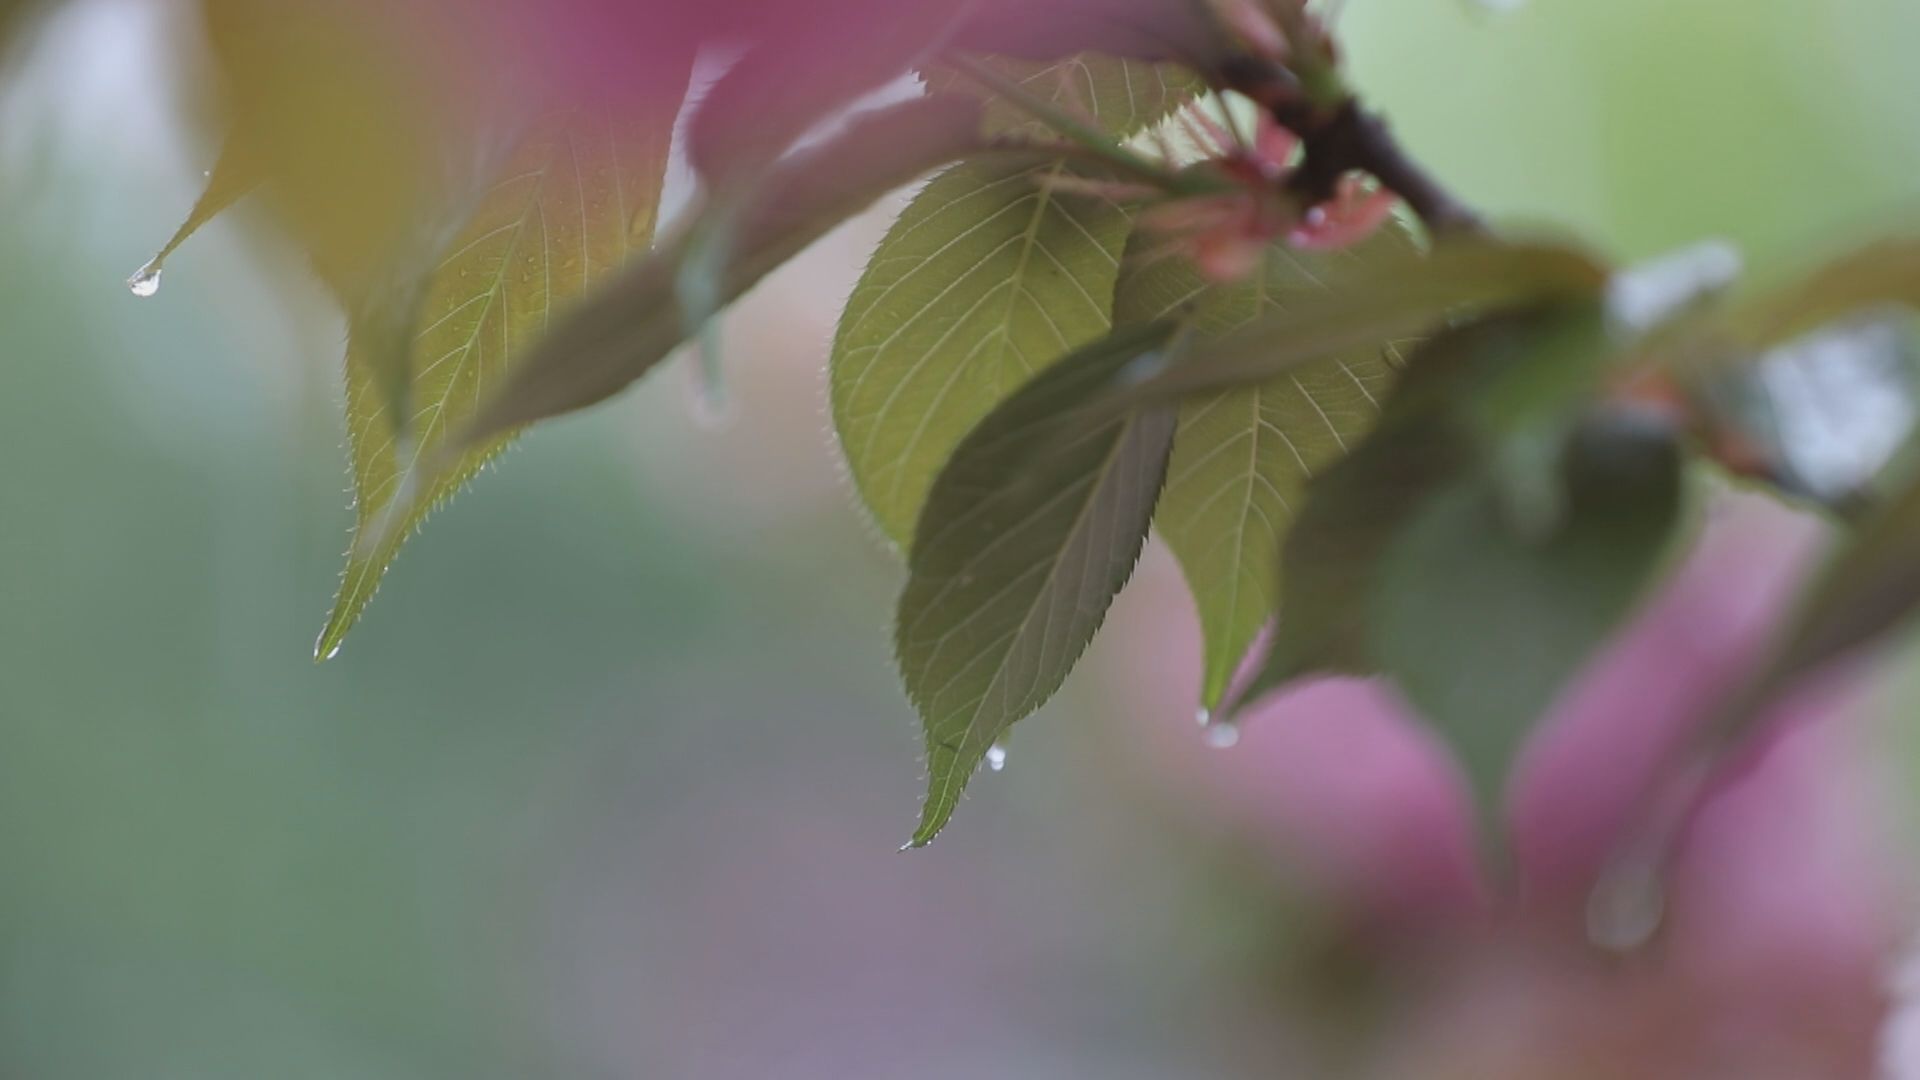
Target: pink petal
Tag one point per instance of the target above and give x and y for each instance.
(1347, 220)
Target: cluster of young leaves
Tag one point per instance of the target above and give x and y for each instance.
(1423, 457)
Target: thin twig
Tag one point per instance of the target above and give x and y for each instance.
(1338, 136)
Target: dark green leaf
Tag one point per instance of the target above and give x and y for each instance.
(1027, 535)
(1355, 510)
(1481, 626)
(1331, 556)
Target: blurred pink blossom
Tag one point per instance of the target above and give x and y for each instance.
(1786, 899)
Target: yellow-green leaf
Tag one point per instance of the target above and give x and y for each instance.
(632, 322)
(1119, 96)
(578, 198)
(988, 276)
(1242, 458)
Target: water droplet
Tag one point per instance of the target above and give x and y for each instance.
(1204, 717)
(145, 281)
(1627, 906)
(996, 757)
(1224, 735)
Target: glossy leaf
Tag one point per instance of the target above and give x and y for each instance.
(1481, 626)
(1242, 458)
(579, 198)
(1027, 535)
(989, 275)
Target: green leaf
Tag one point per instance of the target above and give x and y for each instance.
(1242, 458)
(1408, 559)
(1378, 300)
(1481, 627)
(579, 197)
(1028, 534)
(1354, 510)
(1331, 555)
(1118, 97)
(987, 277)
(1883, 275)
(634, 320)
(235, 174)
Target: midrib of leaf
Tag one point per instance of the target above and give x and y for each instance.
(894, 458)
(1014, 289)
(990, 347)
(555, 151)
(973, 740)
(1026, 537)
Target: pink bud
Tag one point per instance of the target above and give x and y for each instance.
(1350, 217)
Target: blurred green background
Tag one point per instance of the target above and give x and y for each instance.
(610, 780)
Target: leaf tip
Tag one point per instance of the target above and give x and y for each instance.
(328, 645)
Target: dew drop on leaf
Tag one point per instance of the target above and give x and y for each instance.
(1224, 735)
(145, 281)
(996, 757)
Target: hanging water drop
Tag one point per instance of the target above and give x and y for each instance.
(1204, 717)
(996, 757)
(145, 281)
(1224, 735)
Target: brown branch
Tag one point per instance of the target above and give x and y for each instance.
(1339, 137)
